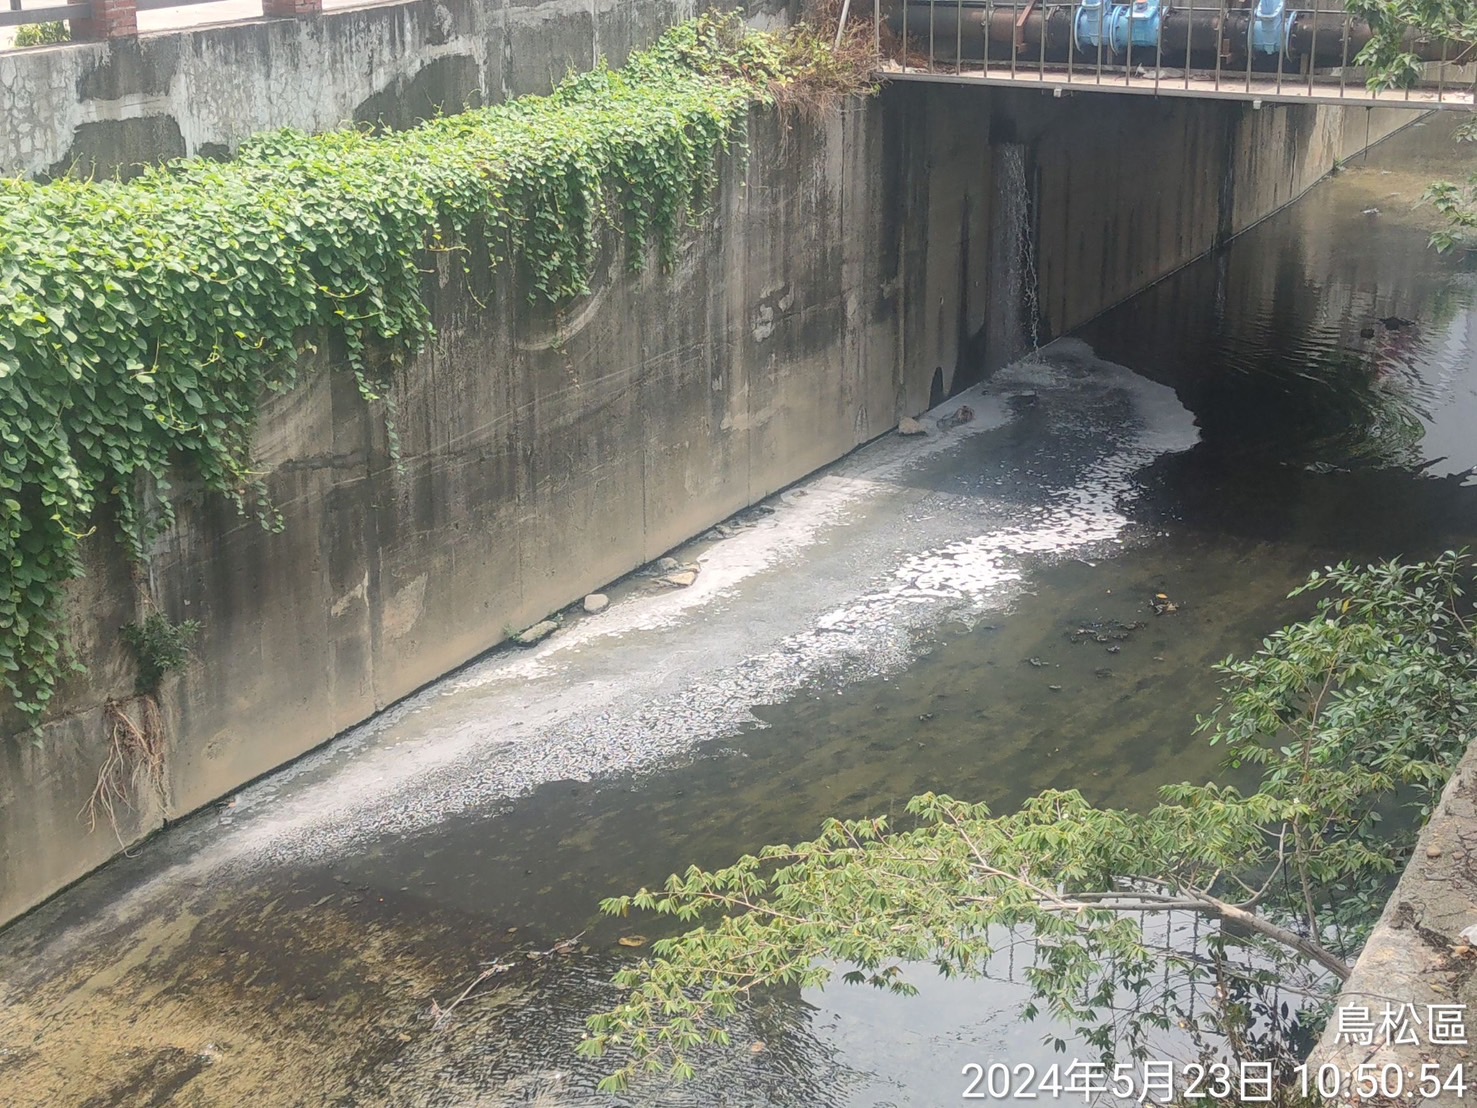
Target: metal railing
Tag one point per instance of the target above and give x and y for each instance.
(17, 17)
(1255, 50)
(84, 13)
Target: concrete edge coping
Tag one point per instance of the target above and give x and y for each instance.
(1416, 970)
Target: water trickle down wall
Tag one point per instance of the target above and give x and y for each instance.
(842, 267)
(1016, 306)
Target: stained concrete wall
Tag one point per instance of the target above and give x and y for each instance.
(845, 278)
(103, 107)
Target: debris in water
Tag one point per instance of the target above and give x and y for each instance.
(496, 968)
(1105, 631)
(632, 940)
(1037, 662)
(962, 414)
(1370, 211)
(1162, 605)
(537, 633)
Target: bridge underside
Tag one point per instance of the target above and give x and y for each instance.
(1259, 88)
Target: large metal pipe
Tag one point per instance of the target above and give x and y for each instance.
(1327, 30)
(970, 27)
(1332, 39)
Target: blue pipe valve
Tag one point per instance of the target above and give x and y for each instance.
(1104, 23)
(1270, 30)
(1090, 24)
(1117, 25)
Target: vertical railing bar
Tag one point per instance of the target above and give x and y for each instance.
(1343, 58)
(903, 52)
(985, 46)
(1189, 40)
(1045, 30)
(1441, 73)
(1012, 46)
(1128, 48)
(989, 22)
(1251, 16)
(1282, 53)
(959, 37)
(1407, 92)
(1071, 40)
(877, 26)
(1220, 42)
(932, 63)
(1040, 64)
(1313, 50)
(1101, 27)
(1159, 51)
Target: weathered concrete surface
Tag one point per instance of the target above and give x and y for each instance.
(845, 278)
(104, 107)
(1417, 956)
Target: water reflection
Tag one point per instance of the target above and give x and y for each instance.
(1329, 335)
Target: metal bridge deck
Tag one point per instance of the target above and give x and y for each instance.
(1258, 88)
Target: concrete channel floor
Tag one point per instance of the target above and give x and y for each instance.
(188, 964)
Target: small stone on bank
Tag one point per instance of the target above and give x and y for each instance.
(667, 565)
(1433, 852)
(681, 579)
(910, 426)
(537, 633)
(596, 602)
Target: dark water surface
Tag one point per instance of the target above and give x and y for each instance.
(903, 623)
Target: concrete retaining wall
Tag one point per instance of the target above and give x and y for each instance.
(848, 275)
(103, 107)
(1417, 963)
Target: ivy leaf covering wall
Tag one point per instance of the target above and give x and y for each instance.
(141, 321)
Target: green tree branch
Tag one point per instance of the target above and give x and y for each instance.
(1355, 709)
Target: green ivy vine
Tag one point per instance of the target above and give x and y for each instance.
(141, 321)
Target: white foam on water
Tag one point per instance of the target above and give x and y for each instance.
(657, 674)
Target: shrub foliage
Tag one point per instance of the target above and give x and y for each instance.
(141, 321)
(1343, 716)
